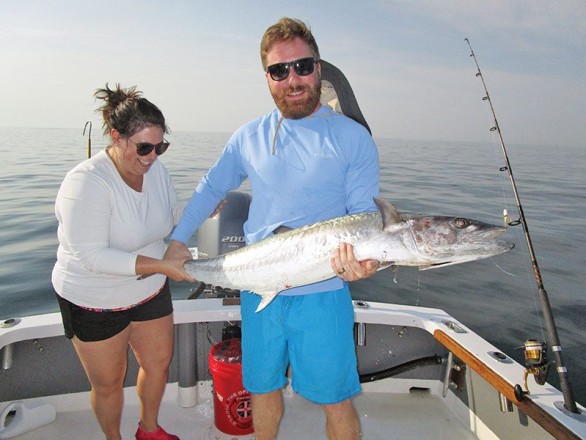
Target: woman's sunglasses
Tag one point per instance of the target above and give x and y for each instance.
(144, 148)
(302, 66)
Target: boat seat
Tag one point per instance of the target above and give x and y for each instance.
(337, 94)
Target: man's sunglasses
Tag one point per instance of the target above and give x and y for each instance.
(302, 66)
(144, 148)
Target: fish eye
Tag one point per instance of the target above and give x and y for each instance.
(461, 223)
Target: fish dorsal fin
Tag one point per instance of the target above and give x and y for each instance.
(389, 213)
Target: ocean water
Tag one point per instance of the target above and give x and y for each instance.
(496, 297)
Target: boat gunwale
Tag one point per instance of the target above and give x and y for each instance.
(501, 374)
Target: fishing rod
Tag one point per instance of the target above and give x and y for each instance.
(89, 138)
(569, 401)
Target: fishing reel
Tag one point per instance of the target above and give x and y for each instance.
(535, 352)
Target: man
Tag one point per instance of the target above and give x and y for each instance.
(305, 164)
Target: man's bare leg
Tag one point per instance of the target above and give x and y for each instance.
(342, 422)
(267, 410)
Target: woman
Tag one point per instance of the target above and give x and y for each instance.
(114, 210)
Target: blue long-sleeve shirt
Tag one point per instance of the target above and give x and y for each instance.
(301, 171)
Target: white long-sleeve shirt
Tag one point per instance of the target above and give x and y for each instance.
(103, 226)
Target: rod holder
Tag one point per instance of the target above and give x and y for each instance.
(505, 404)
(361, 334)
(449, 366)
(7, 357)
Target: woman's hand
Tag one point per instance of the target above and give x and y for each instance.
(176, 255)
(174, 269)
(171, 265)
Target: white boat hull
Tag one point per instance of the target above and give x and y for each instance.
(422, 402)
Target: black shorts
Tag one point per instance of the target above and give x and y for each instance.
(88, 325)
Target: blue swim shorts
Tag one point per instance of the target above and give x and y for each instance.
(313, 333)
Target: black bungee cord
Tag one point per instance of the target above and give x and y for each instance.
(569, 400)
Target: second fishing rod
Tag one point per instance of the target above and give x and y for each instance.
(569, 400)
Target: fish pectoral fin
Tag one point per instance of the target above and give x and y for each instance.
(385, 264)
(425, 267)
(267, 297)
(436, 265)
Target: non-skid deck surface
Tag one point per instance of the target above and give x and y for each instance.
(383, 416)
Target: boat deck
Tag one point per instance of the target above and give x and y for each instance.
(415, 415)
(407, 405)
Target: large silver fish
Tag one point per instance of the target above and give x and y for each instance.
(302, 256)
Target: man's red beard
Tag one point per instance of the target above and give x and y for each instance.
(298, 109)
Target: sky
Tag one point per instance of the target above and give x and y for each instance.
(407, 62)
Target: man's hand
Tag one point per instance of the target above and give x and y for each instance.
(218, 208)
(177, 250)
(346, 266)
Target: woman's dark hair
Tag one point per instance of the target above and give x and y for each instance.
(127, 112)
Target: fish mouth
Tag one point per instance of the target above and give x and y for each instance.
(508, 244)
(491, 233)
(496, 248)
(488, 238)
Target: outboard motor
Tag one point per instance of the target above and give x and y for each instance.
(224, 233)
(219, 235)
